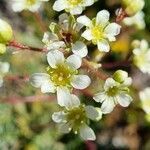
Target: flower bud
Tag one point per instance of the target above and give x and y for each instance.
(120, 76)
(6, 32)
(2, 48)
(133, 6)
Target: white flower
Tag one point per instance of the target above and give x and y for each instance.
(75, 7)
(141, 56)
(99, 30)
(145, 99)
(115, 92)
(62, 75)
(75, 116)
(133, 6)
(4, 68)
(65, 35)
(52, 42)
(32, 5)
(136, 20)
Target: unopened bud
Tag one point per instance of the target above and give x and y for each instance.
(6, 32)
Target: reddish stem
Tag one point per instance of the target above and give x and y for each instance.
(24, 47)
(116, 64)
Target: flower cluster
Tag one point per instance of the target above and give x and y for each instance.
(32, 5)
(62, 75)
(141, 55)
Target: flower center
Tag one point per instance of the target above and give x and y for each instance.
(61, 75)
(97, 32)
(30, 2)
(74, 2)
(112, 91)
(76, 117)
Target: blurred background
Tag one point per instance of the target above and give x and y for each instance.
(25, 113)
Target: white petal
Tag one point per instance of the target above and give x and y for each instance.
(58, 117)
(103, 46)
(80, 81)
(127, 82)
(18, 6)
(76, 10)
(75, 102)
(87, 35)
(144, 45)
(79, 48)
(65, 128)
(87, 133)
(55, 57)
(113, 29)
(63, 96)
(102, 17)
(107, 106)
(109, 83)
(74, 61)
(92, 112)
(84, 20)
(100, 97)
(59, 5)
(55, 45)
(4, 67)
(1, 81)
(124, 100)
(37, 79)
(88, 2)
(47, 87)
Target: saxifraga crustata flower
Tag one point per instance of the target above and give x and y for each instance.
(62, 75)
(66, 35)
(133, 6)
(115, 91)
(145, 99)
(141, 55)
(31, 5)
(137, 20)
(99, 30)
(75, 7)
(4, 68)
(75, 116)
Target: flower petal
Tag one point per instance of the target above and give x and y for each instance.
(107, 106)
(4, 67)
(124, 100)
(1, 81)
(76, 10)
(103, 46)
(59, 5)
(63, 96)
(58, 117)
(47, 87)
(84, 20)
(74, 61)
(100, 97)
(109, 83)
(65, 128)
(79, 48)
(87, 133)
(55, 57)
(80, 81)
(113, 29)
(75, 102)
(102, 17)
(87, 35)
(37, 79)
(88, 2)
(92, 112)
